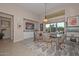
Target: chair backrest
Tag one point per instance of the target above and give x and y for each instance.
(46, 36)
(61, 40)
(38, 34)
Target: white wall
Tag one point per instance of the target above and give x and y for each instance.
(19, 14)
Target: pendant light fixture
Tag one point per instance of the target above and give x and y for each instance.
(45, 17)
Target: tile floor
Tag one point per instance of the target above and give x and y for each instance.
(30, 48)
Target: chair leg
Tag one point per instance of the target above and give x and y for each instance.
(51, 44)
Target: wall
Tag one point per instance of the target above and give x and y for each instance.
(19, 14)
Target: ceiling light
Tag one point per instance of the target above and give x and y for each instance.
(45, 17)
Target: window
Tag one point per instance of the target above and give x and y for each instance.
(60, 27)
(55, 27)
(47, 27)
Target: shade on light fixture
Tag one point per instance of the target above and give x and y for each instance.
(45, 17)
(45, 20)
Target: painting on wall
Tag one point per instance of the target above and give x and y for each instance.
(29, 26)
(73, 21)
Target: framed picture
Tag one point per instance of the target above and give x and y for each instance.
(73, 21)
(29, 25)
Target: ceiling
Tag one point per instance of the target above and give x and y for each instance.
(39, 8)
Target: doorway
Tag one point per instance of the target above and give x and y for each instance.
(6, 24)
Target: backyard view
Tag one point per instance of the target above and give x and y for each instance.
(55, 27)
